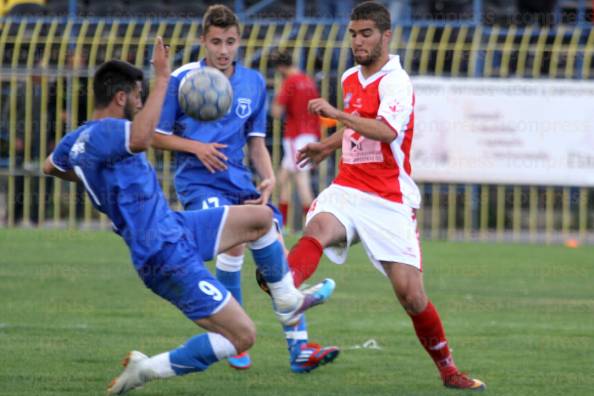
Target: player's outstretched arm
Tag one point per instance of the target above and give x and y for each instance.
(370, 128)
(58, 162)
(260, 158)
(50, 170)
(145, 122)
(276, 109)
(314, 153)
(208, 153)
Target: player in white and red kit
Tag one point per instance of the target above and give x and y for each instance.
(373, 198)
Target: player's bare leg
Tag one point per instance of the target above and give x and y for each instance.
(323, 230)
(233, 323)
(253, 223)
(230, 331)
(283, 180)
(304, 191)
(303, 183)
(407, 282)
(243, 224)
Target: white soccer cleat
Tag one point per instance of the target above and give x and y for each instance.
(315, 295)
(131, 377)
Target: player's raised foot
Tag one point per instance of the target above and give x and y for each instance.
(460, 380)
(308, 357)
(315, 295)
(131, 377)
(243, 361)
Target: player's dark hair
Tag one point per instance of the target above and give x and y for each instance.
(281, 58)
(221, 16)
(111, 77)
(375, 12)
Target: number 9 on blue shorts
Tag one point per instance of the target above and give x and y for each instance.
(178, 274)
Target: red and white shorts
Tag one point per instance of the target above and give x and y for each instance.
(387, 230)
(291, 146)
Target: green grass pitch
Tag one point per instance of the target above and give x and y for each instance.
(519, 317)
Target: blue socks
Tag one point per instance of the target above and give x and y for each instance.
(269, 256)
(296, 335)
(232, 282)
(229, 274)
(199, 352)
(195, 355)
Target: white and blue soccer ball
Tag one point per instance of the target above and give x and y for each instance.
(205, 94)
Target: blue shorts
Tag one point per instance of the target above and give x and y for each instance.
(204, 227)
(178, 274)
(211, 198)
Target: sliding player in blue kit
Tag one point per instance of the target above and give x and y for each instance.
(169, 248)
(210, 169)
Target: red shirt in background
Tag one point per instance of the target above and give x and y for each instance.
(296, 91)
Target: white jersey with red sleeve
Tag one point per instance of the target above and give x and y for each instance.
(369, 165)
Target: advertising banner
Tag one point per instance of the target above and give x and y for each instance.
(529, 132)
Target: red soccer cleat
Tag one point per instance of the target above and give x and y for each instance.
(460, 380)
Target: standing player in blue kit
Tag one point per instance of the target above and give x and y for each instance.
(210, 155)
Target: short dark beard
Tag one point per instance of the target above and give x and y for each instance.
(129, 112)
(375, 54)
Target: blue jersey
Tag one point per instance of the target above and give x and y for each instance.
(121, 184)
(246, 118)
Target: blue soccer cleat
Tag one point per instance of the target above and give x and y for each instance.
(315, 295)
(243, 361)
(308, 357)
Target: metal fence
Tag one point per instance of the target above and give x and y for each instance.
(46, 67)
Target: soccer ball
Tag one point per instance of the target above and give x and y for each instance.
(205, 94)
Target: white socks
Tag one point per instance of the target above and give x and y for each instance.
(221, 346)
(268, 239)
(229, 263)
(157, 366)
(285, 295)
